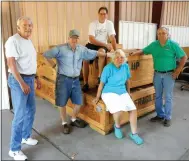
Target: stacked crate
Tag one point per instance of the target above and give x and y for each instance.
(140, 87)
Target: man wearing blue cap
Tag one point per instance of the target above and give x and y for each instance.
(69, 57)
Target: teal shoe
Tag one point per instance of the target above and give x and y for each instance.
(118, 133)
(137, 139)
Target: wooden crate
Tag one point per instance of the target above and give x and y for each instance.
(47, 90)
(101, 120)
(141, 68)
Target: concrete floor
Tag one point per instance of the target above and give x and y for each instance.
(161, 143)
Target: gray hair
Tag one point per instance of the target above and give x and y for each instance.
(22, 19)
(165, 28)
(120, 52)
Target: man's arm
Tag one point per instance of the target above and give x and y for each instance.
(180, 67)
(113, 41)
(52, 53)
(12, 66)
(139, 52)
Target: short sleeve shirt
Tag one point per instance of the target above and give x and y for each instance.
(164, 57)
(114, 78)
(101, 31)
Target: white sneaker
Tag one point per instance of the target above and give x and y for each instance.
(17, 155)
(29, 141)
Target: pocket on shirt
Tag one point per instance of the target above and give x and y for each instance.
(79, 62)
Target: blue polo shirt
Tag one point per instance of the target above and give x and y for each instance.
(114, 78)
(70, 62)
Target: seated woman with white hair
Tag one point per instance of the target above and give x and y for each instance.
(113, 92)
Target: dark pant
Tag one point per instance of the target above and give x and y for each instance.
(94, 47)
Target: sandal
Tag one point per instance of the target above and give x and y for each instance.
(118, 133)
(137, 139)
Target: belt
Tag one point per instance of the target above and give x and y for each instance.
(69, 77)
(168, 71)
(25, 75)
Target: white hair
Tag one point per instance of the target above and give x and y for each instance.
(22, 19)
(119, 52)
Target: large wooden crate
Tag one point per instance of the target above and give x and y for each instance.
(47, 77)
(97, 116)
(101, 120)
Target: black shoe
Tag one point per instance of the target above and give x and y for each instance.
(66, 129)
(156, 119)
(85, 88)
(167, 123)
(78, 123)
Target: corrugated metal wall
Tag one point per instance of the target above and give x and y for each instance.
(53, 20)
(175, 13)
(6, 21)
(136, 11)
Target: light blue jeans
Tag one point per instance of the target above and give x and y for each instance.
(164, 83)
(24, 110)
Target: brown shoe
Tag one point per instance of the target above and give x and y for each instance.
(66, 129)
(79, 123)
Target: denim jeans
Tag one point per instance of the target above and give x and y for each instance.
(164, 83)
(67, 88)
(24, 110)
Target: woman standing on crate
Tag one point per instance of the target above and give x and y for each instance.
(164, 52)
(115, 96)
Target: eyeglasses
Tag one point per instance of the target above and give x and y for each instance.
(162, 33)
(102, 14)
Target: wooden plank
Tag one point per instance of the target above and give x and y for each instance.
(142, 12)
(123, 10)
(147, 7)
(52, 22)
(42, 25)
(150, 11)
(13, 17)
(30, 9)
(62, 23)
(134, 11)
(138, 12)
(85, 26)
(128, 11)
(47, 91)
(111, 11)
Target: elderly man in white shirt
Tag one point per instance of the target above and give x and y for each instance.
(99, 32)
(21, 58)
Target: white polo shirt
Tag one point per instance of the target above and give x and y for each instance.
(101, 31)
(24, 53)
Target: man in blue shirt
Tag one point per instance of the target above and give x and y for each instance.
(69, 57)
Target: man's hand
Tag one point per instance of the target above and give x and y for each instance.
(38, 82)
(95, 101)
(131, 53)
(109, 47)
(25, 88)
(138, 52)
(176, 73)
